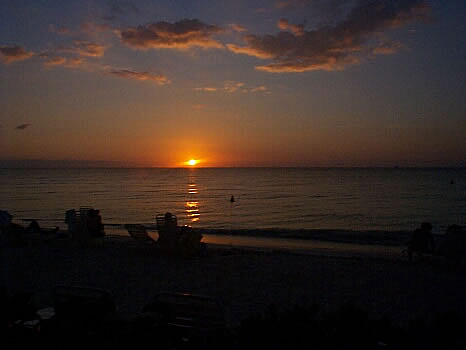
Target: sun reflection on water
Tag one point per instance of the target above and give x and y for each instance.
(192, 205)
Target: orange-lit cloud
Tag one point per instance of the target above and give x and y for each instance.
(52, 59)
(238, 28)
(159, 79)
(230, 86)
(207, 89)
(332, 47)
(387, 48)
(55, 61)
(296, 29)
(184, 34)
(9, 54)
(85, 48)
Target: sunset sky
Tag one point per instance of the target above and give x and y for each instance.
(234, 83)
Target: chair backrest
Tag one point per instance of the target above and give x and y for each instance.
(188, 311)
(82, 302)
(160, 220)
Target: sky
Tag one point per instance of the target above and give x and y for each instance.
(234, 83)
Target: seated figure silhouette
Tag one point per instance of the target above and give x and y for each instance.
(189, 241)
(94, 223)
(421, 241)
(168, 232)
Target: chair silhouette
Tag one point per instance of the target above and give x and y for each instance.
(139, 233)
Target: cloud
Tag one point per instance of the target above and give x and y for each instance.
(333, 47)
(184, 34)
(9, 54)
(387, 48)
(259, 88)
(55, 61)
(74, 62)
(297, 30)
(22, 126)
(230, 86)
(207, 89)
(238, 28)
(157, 78)
(51, 59)
(85, 48)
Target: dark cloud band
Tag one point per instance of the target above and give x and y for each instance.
(9, 54)
(333, 47)
(179, 35)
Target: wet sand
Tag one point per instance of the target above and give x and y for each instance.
(245, 280)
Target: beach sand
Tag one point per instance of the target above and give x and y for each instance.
(244, 280)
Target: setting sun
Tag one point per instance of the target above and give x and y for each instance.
(192, 162)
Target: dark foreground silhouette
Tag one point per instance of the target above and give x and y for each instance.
(83, 317)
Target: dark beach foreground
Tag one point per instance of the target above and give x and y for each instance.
(246, 281)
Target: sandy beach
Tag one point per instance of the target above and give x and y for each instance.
(244, 280)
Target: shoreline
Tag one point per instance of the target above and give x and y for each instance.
(322, 242)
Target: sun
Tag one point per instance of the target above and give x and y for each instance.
(192, 162)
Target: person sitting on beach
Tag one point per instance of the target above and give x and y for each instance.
(94, 223)
(189, 241)
(12, 232)
(34, 227)
(168, 232)
(421, 241)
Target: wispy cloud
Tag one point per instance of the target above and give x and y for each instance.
(296, 29)
(157, 78)
(230, 86)
(238, 28)
(184, 34)
(85, 48)
(52, 58)
(22, 126)
(10, 54)
(207, 89)
(333, 47)
(55, 61)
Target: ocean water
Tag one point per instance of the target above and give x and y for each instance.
(282, 198)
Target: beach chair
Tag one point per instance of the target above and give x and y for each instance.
(191, 319)
(139, 233)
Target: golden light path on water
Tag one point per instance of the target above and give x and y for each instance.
(192, 205)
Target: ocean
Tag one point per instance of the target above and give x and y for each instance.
(362, 199)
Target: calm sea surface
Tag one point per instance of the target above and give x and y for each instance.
(293, 198)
